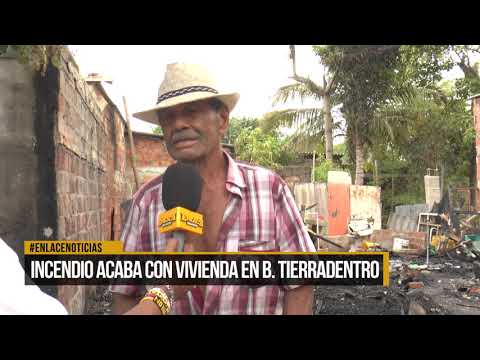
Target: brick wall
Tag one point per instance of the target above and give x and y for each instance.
(90, 168)
(152, 157)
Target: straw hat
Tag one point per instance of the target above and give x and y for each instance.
(184, 83)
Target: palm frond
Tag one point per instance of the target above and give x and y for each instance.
(391, 120)
(301, 142)
(310, 118)
(293, 92)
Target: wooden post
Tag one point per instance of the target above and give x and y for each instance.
(312, 177)
(392, 196)
(132, 145)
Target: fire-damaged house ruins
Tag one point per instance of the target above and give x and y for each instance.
(66, 171)
(434, 247)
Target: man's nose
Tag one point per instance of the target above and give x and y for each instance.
(180, 122)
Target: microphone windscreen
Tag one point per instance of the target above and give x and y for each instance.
(181, 186)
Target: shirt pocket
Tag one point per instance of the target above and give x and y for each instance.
(257, 245)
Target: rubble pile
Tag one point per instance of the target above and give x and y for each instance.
(434, 266)
(444, 287)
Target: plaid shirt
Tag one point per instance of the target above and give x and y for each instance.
(261, 215)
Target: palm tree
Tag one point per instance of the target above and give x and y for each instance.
(307, 125)
(312, 125)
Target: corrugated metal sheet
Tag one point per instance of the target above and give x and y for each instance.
(336, 205)
(405, 217)
(398, 222)
(310, 193)
(411, 210)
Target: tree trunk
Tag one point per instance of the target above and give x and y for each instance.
(359, 159)
(328, 125)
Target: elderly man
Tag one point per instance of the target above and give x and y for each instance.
(245, 207)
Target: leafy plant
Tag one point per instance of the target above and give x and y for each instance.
(36, 57)
(264, 149)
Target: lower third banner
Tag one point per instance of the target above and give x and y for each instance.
(202, 269)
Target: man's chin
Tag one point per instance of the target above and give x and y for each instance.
(187, 155)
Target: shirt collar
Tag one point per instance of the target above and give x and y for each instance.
(234, 175)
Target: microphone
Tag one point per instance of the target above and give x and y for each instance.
(181, 193)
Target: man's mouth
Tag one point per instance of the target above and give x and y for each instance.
(182, 143)
(184, 139)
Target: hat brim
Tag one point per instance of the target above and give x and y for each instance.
(150, 115)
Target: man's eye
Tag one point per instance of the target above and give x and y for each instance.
(164, 118)
(190, 110)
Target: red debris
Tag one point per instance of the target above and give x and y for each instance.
(474, 291)
(415, 285)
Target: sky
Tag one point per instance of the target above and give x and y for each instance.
(254, 71)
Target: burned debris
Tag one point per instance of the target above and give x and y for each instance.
(434, 252)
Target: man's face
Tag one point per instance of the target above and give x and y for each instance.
(193, 130)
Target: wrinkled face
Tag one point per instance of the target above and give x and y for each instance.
(193, 130)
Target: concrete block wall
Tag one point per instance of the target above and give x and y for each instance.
(365, 202)
(18, 155)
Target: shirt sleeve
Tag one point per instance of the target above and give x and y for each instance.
(131, 240)
(292, 234)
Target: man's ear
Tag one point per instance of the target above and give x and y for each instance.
(224, 119)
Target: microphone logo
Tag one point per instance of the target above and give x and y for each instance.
(180, 218)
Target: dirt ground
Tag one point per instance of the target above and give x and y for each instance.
(450, 287)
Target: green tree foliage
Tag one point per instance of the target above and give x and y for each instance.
(236, 125)
(433, 130)
(340, 163)
(367, 76)
(321, 171)
(158, 130)
(370, 77)
(253, 144)
(256, 147)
